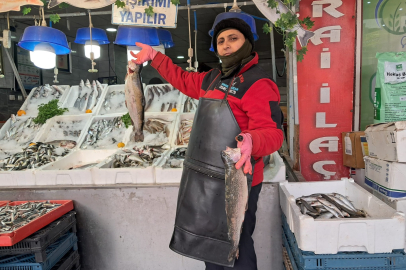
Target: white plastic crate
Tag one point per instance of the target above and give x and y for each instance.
(49, 133)
(60, 172)
(167, 175)
(32, 110)
(104, 175)
(381, 232)
(12, 145)
(149, 138)
(73, 95)
(275, 171)
(16, 178)
(173, 97)
(123, 135)
(181, 116)
(119, 98)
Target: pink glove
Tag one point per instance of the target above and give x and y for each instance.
(246, 149)
(147, 53)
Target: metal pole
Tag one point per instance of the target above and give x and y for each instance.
(357, 95)
(13, 66)
(95, 13)
(291, 106)
(273, 54)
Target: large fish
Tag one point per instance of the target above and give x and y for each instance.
(236, 187)
(88, 4)
(8, 5)
(79, 98)
(134, 100)
(273, 14)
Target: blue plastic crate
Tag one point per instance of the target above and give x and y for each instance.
(305, 260)
(54, 253)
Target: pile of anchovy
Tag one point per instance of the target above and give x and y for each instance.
(137, 157)
(176, 158)
(14, 217)
(157, 125)
(17, 127)
(44, 91)
(34, 156)
(190, 105)
(100, 129)
(326, 206)
(184, 132)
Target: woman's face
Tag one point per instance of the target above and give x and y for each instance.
(229, 42)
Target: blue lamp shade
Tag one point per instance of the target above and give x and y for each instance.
(34, 35)
(245, 17)
(128, 35)
(211, 48)
(99, 35)
(165, 38)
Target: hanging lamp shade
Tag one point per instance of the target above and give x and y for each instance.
(165, 38)
(128, 35)
(245, 17)
(34, 35)
(99, 35)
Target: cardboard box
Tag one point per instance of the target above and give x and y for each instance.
(352, 149)
(389, 178)
(387, 141)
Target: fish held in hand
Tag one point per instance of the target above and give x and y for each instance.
(135, 101)
(236, 194)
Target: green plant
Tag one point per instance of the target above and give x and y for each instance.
(63, 5)
(126, 120)
(149, 11)
(49, 110)
(26, 10)
(120, 4)
(54, 18)
(285, 24)
(175, 2)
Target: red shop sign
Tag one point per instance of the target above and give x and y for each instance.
(325, 87)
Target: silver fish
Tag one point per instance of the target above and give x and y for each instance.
(135, 101)
(236, 194)
(83, 103)
(273, 14)
(79, 98)
(150, 98)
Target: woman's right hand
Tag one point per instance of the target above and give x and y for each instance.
(146, 54)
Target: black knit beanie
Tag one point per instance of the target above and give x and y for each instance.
(233, 23)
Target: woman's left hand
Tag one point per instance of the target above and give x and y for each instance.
(246, 149)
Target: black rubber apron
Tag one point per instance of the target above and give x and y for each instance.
(201, 224)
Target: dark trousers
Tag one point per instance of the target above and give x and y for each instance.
(247, 259)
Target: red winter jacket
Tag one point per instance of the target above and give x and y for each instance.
(253, 98)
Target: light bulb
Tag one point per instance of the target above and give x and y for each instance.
(92, 46)
(43, 56)
(135, 50)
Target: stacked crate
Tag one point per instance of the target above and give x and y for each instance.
(54, 247)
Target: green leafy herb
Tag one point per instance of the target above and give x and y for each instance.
(64, 5)
(149, 11)
(266, 28)
(120, 4)
(307, 22)
(272, 4)
(290, 39)
(301, 53)
(26, 10)
(175, 2)
(49, 110)
(126, 120)
(54, 18)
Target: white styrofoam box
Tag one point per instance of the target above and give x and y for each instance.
(73, 95)
(381, 232)
(149, 138)
(386, 177)
(119, 97)
(173, 96)
(359, 177)
(167, 175)
(34, 112)
(181, 116)
(387, 141)
(15, 178)
(13, 145)
(123, 137)
(275, 171)
(104, 175)
(48, 132)
(60, 172)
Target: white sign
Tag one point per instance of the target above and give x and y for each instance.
(165, 13)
